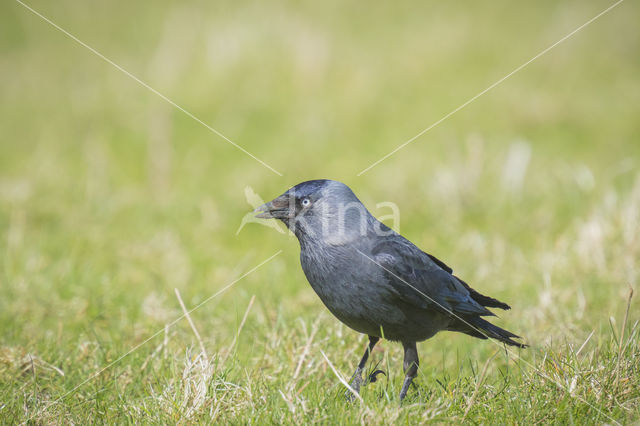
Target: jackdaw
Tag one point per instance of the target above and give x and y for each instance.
(376, 281)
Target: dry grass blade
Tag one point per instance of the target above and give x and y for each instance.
(307, 345)
(585, 343)
(244, 319)
(193, 326)
(342, 380)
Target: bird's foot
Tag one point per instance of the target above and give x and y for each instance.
(350, 396)
(373, 376)
(408, 381)
(356, 382)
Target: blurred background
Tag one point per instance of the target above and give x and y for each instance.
(110, 197)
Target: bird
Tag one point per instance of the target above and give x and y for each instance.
(376, 281)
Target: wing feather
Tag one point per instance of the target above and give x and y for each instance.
(418, 279)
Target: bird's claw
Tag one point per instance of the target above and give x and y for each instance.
(373, 376)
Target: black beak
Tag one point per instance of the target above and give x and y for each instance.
(277, 208)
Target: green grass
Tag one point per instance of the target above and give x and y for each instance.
(110, 199)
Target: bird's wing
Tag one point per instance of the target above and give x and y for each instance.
(440, 263)
(421, 280)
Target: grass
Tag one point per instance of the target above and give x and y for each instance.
(110, 199)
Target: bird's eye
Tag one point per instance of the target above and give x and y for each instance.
(305, 202)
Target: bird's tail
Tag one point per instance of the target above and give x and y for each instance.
(478, 327)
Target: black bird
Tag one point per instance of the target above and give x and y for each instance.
(373, 279)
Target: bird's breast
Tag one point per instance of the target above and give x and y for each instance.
(349, 289)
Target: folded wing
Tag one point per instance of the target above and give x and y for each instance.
(419, 280)
(424, 281)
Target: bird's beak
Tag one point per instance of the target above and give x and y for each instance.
(277, 208)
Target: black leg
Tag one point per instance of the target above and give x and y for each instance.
(410, 366)
(356, 379)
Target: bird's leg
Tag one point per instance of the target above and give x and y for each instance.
(356, 379)
(410, 366)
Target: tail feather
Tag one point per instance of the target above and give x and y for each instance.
(478, 327)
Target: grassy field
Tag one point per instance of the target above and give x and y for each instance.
(111, 199)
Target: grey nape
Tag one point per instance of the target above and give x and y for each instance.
(376, 281)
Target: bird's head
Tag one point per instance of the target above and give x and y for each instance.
(321, 209)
